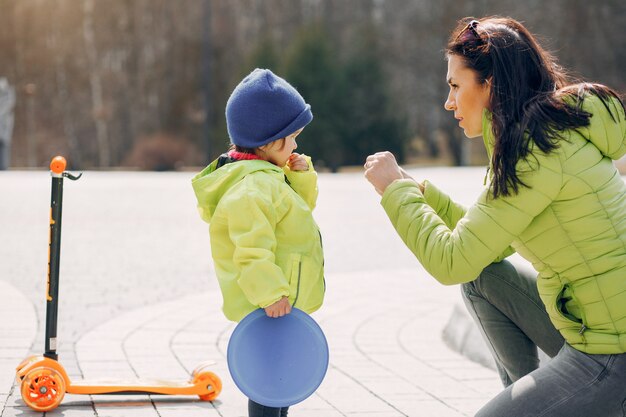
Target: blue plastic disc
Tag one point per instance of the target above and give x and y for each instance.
(277, 362)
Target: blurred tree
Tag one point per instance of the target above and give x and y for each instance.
(92, 77)
(350, 100)
(264, 55)
(98, 110)
(371, 122)
(311, 67)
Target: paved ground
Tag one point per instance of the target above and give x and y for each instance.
(139, 299)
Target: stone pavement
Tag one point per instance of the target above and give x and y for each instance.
(139, 299)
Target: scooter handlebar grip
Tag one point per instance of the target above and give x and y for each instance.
(58, 164)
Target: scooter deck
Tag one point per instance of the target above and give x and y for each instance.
(147, 386)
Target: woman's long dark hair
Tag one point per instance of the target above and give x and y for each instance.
(527, 95)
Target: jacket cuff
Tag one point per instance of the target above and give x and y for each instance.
(396, 185)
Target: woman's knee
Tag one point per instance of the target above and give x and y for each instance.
(467, 289)
(490, 279)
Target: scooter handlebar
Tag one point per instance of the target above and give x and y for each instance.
(58, 165)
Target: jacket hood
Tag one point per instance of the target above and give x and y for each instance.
(606, 130)
(212, 182)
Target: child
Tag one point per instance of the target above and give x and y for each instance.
(258, 199)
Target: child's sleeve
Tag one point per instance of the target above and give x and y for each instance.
(304, 182)
(251, 225)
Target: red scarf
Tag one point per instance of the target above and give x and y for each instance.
(242, 155)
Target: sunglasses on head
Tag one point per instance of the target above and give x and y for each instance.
(471, 30)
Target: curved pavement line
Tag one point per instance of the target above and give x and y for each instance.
(394, 351)
(390, 353)
(18, 329)
(131, 344)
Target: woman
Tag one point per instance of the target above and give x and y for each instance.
(555, 197)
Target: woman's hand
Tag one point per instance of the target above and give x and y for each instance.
(279, 308)
(381, 169)
(296, 162)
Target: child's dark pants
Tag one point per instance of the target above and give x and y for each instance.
(258, 410)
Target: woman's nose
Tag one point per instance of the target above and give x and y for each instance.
(449, 104)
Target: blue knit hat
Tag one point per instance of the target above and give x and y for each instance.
(264, 108)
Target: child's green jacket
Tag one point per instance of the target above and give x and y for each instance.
(264, 241)
(570, 223)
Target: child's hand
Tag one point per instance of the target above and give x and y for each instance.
(279, 308)
(296, 162)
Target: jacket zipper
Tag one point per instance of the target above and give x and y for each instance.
(298, 285)
(581, 332)
(583, 327)
(322, 246)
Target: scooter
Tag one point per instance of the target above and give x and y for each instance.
(43, 379)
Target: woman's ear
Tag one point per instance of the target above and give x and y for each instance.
(487, 86)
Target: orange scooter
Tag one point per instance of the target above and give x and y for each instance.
(43, 379)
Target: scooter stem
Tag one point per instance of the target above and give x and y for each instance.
(57, 171)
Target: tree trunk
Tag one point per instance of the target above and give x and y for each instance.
(97, 102)
(206, 77)
(65, 100)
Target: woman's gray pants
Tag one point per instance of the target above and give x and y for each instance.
(505, 304)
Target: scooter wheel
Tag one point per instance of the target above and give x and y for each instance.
(212, 382)
(43, 389)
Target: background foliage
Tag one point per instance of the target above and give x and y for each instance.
(118, 82)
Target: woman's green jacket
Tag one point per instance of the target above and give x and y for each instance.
(570, 223)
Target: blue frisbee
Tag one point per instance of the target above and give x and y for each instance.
(277, 362)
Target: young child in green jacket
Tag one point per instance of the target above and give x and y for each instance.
(258, 200)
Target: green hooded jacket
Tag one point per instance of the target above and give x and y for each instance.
(264, 241)
(570, 223)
